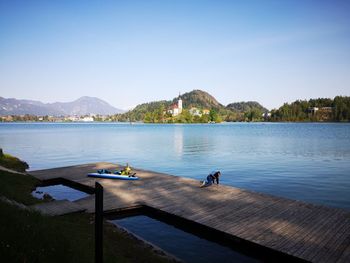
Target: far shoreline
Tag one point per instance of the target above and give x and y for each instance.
(167, 124)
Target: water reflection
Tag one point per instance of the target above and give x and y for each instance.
(58, 192)
(191, 143)
(178, 141)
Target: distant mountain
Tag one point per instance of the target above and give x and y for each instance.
(22, 107)
(246, 106)
(82, 106)
(85, 105)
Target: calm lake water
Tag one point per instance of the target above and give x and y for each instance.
(183, 245)
(59, 192)
(304, 161)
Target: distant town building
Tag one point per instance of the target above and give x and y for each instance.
(321, 113)
(326, 109)
(8, 118)
(313, 110)
(79, 118)
(72, 118)
(195, 112)
(205, 111)
(87, 119)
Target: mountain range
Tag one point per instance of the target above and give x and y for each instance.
(82, 106)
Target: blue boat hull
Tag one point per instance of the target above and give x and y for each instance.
(113, 176)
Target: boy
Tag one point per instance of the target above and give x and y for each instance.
(211, 178)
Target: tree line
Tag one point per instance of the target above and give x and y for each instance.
(315, 110)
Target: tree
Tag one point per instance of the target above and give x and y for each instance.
(214, 116)
(254, 114)
(148, 117)
(185, 117)
(341, 108)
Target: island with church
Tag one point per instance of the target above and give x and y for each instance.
(196, 106)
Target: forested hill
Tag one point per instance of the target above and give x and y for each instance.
(246, 106)
(199, 99)
(140, 111)
(154, 111)
(196, 98)
(322, 109)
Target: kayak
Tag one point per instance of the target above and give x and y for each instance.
(114, 176)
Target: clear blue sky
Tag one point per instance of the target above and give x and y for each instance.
(129, 52)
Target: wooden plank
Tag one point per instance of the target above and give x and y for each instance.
(345, 256)
(233, 207)
(257, 222)
(263, 226)
(274, 234)
(309, 242)
(231, 220)
(335, 245)
(209, 216)
(318, 235)
(292, 234)
(240, 220)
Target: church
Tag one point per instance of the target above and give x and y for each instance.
(176, 108)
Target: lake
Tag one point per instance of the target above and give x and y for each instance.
(303, 161)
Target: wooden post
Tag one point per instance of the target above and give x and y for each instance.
(98, 223)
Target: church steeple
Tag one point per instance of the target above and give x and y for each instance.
(179, 103)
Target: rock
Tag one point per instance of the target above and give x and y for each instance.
(47, 197)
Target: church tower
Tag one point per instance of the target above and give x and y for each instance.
(179, 104)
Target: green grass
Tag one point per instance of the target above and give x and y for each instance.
(18, 187)
(27, 236)
(13, 163)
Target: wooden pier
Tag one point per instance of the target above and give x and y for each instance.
(310, 232)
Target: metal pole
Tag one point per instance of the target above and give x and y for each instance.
(98, 223)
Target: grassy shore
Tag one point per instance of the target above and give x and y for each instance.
(18, 187)
(28, 236)
(12, 162)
